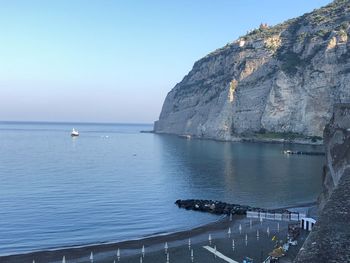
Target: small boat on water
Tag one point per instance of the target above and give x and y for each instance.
(74, 133)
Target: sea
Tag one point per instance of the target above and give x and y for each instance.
(113, 183)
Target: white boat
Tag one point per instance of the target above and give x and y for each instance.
(74, 133)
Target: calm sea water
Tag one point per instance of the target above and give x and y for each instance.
(114, 183)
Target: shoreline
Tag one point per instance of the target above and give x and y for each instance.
(297, 141)
(132, 246)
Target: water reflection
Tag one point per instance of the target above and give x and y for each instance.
(248, 173)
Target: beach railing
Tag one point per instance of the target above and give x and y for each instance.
(276, 216)
(294, 217)
(252, 214)
(270, 216)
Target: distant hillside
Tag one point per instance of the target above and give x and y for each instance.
(274, 82)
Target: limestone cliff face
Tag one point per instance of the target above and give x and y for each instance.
(329, 240)
(281, 79)
(337, 146)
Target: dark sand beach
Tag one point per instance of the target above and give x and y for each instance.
(246, 244)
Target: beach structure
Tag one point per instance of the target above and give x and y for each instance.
(286, 216)
(307, 223)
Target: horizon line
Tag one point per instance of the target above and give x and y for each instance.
(75, 122)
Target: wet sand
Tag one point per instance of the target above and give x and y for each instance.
(130, 251)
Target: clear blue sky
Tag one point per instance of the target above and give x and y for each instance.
(114, 61)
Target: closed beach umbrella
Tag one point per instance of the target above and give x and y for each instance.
(229, 232)
(64, 259)
(240, 228)
(209, 238)
(92, 257)
(189, 243)
(143, 251)
(166, 247)
(118, 254)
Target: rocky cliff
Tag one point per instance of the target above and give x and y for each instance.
(329, 240)
(273, 81)
(337, 146)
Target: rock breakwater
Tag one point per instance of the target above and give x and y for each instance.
(222, 208)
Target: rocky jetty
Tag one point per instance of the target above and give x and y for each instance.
(273, 84)
(221, 208)
(329, 240)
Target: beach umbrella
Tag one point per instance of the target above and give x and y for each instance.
(64, 259)
(166, 247)
(143, 251)
(92, 257)
(229, 232)
(189, 244)
(268, 231)
(257, 234)
(167, 258)
(141, 259)
(118, 254)
(33, 261)
(233, 244)
(192, 257)
(261, 220)
(278, 227)
(209, 238)
(230, 216)
(240, 228)
(246, 239)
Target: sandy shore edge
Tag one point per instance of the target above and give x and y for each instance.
(77, 252)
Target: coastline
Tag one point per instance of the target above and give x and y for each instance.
(252, 139)
(130, 248)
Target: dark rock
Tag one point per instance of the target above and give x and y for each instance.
(220, 208)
